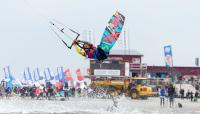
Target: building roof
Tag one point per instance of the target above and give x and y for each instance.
(125, 52)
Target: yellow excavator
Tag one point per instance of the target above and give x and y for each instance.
(140, 88)
(136, 88)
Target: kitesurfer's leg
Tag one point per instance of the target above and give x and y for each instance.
(100, 54)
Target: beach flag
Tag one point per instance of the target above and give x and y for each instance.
(27, 74)
(168, 56)
(68, 75)
(39, 74)
(79, 75)
(8, 77)
(47, 75)
(36, 74)
(61, 75)
(56, 77)
(50, 74)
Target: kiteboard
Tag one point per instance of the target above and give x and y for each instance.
(112, 32)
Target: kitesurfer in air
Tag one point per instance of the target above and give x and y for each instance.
(88, 50)
(108, 40)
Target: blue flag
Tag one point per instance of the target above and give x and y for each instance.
(27, 74)
(61, 75)
(36, 74)
(8, 77)
(168, 56)
(47, 74)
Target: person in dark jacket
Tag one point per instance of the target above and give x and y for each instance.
(171, 93)
(191, 96)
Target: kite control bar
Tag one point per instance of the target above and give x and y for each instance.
(62, 31)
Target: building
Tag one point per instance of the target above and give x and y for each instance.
(129, 63)
(161, 71)
(119, 63)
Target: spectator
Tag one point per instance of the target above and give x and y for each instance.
(171, 93)
(191, 96)
(196, 95)
(162, 93)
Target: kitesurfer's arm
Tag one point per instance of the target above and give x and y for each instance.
(79, 50)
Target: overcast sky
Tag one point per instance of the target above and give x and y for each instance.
(26, 40)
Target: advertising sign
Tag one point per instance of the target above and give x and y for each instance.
(107, 72)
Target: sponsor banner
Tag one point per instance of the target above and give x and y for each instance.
(107, 72)
(168, 56)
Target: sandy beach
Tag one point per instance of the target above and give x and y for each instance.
(96, 106)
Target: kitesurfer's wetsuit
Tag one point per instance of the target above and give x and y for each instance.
(92, 52)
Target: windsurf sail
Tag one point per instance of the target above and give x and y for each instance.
(64, 33)
(112, 32)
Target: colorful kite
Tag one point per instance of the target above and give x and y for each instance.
(88, 50)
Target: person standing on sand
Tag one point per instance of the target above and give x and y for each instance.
(191, 96)
(171, 93)
(162, 93)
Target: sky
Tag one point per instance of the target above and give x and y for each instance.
(27, 41)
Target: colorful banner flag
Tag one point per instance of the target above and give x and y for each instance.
(79, 75)
(68, 75)
(168, 56)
